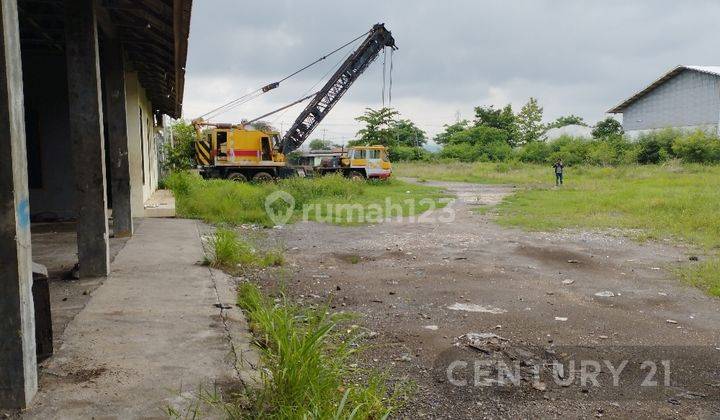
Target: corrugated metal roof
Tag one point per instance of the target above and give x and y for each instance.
(714, 70)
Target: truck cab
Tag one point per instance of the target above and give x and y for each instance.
(369, 162)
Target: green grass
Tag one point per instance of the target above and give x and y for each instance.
(331, 199)
(478, 172)
(228, 252)
(672, 201)
(704, 275)
(307, 360)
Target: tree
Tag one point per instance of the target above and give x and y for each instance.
(319, 144)
(180, 154)
(529, 123)
(504, 119)
(408, 134)
(450, 129)
(609, 127)
(566, 120)
(263, 126)
(478, 143)
(378, 127)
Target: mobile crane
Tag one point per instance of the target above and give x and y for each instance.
(250, 151)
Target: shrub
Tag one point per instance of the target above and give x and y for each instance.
(407, 153)
(535, 152)
(180, 155)
(656, 146)
(572, 150)
(480, 135)
(464, 152)
(697, 147)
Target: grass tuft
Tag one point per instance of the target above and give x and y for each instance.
(704, 275)
(227, 251)
(306, 359)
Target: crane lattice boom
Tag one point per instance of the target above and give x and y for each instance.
(377, 40)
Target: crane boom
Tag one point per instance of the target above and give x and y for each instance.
(378, 38)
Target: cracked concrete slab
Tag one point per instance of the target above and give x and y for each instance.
(151, 335)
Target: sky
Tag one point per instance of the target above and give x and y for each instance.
(576, 57)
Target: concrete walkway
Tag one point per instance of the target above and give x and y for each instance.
(160, 328)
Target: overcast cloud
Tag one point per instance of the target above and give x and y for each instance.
(578, 57)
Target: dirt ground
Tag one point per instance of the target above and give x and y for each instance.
(419, 287)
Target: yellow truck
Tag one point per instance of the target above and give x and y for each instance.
(359, 162)
(251, 151)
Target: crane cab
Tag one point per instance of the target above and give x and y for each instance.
(240, 154)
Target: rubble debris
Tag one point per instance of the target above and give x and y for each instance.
(472, 336)
(539, 386)
(405, 357)
(484, 342)
(471, 307)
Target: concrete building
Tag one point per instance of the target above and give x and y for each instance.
(686, 97)
(83, 87)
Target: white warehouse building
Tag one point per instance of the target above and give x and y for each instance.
(686, 97)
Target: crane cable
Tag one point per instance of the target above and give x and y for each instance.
(392, 51)
(330, 70)
(254, 94)
(384, 76)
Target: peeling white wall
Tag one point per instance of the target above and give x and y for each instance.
(142, 147)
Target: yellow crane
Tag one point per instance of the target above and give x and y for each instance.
(252, 151)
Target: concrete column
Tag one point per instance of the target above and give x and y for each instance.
(18, 365)
(117, 137)
(86, 133)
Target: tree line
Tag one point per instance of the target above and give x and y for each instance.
(499, 134)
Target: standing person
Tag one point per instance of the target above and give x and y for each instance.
(558, 172)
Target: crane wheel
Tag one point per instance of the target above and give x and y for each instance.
(237, 177)
(262, 177)
(356, 176)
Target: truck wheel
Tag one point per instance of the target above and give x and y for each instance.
(356, 176)
(237, 177)
(262, 177)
